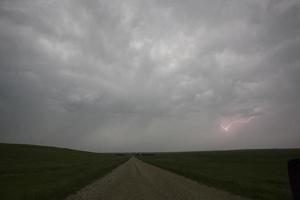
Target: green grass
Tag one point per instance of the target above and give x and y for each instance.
(257, 174)
(48, 173)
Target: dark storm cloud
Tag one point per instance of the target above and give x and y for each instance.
(149, 75)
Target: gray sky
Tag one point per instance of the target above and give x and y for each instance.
(150, 75)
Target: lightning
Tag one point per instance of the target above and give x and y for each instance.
(227, 127)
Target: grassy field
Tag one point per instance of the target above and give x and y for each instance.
(258, 174)
(44, 173)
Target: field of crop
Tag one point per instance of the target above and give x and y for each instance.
(257, 174)
(48, 173)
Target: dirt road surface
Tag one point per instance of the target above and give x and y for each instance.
(137, 180)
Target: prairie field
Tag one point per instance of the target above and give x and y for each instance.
(48, 173)
(257, 174)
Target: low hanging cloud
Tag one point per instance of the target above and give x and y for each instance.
(150, 75)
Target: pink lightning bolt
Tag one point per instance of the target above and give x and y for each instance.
(228, 126)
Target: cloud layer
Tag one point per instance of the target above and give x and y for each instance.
(150, 75)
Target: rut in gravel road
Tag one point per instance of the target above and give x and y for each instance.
(136, 180)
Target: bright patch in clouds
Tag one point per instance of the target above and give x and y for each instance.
(229, 125)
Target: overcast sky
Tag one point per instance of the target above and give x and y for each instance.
(150, 75)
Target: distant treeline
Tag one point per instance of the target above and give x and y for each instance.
(135, 154)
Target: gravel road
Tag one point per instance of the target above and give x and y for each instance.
(136, 180)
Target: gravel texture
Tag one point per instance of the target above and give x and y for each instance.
(136, 180)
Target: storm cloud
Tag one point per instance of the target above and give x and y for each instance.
(150, 75)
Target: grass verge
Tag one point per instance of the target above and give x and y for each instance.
(257, 174)
(48, 173)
